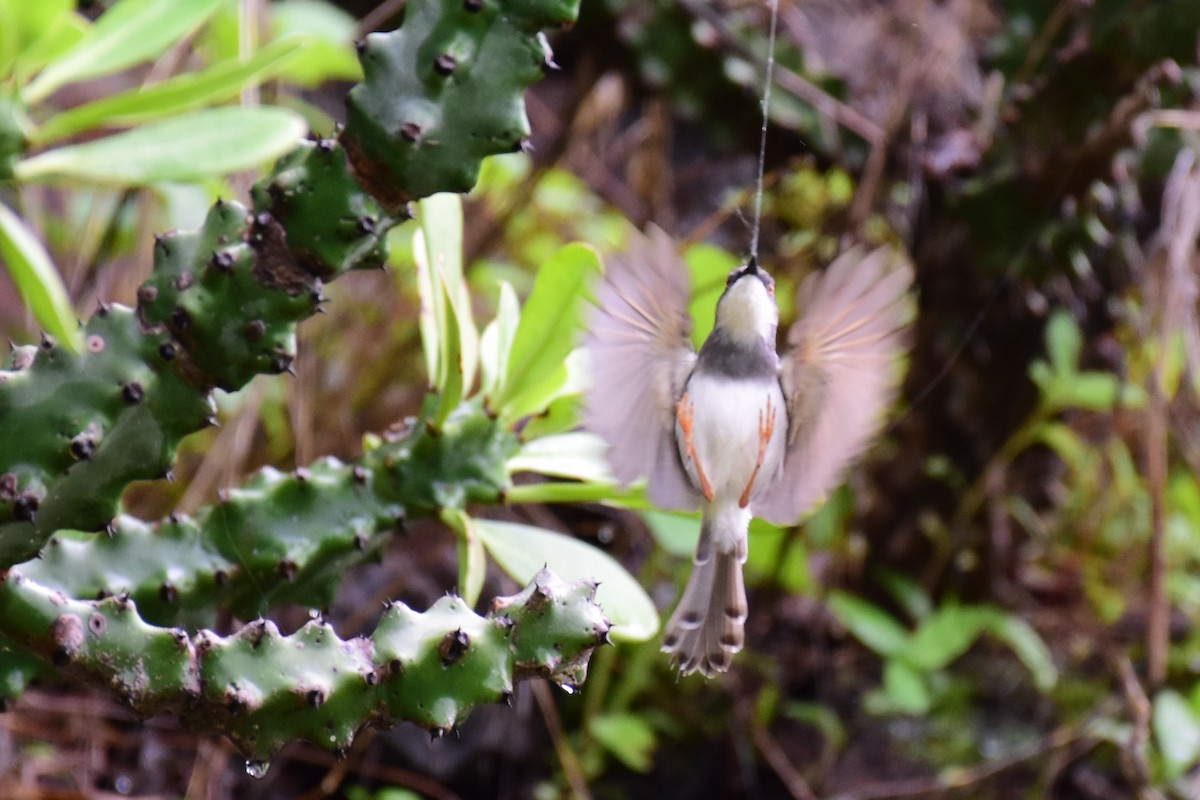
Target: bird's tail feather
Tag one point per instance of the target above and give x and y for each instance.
(708, 625)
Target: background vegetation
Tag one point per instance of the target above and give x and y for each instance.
(1000, 603)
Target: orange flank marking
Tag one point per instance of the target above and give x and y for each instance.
(766, 429)
(685, 413)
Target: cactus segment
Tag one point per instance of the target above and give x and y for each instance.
(331, 224)
(444, 91)
(282, 537)
(463, 461)
(264, 689)
(78, 428)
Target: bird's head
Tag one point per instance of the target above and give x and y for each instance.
(747, 310)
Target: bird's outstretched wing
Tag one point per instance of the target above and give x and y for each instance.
(840, 373)
(641, 355)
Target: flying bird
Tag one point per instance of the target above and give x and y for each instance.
(738, 429)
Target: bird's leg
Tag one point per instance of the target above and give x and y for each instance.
(685, 415)
(766, 429)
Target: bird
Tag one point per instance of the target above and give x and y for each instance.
(739, 429)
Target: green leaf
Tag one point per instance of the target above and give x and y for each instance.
(189, 148)
(472, 559)
(37, 280)
(576, 455)
(868, 623)
(549, 323)
(181, 93)
(709, 266)
(453, 358)
(522, 550)
(569, 379)
(1029, 647)
(25, 24)
(66, 32)
(495, 344)
(1176, 731)
(626, 736)
(908, 593)
(905, 688)
(946, 635)
(1064, 343)
(332, 55)
(130, 32)
(675, 532)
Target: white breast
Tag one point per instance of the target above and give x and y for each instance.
(725, 433)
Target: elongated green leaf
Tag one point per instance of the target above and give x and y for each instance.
(130, 32)
(522, 550)
(431, 319)
(495, 344)
(627, 736)
(709, 267)
(23, 24)
(905, 688)
(442, 222)
(569, 379)
(947, 634)
(549, 322)
(193, 147)
(37, 280)
(1029, 647)
(472, 559)
(332, 57)
(453, 384)
(185, 92)
(577, 455)
(869, 624)
(65, 32)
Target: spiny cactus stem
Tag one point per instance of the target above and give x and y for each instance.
(263, 689)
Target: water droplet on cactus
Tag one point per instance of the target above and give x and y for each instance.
(257, 769)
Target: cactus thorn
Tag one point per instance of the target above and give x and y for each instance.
(287, 569)
(454, 645)
(222, 260)
(82, 447)
(315, 698)
(184, 281)
(48, 342)
(506, 697)
(411, 132)
(168, 593)
(25, 508)
(133, 393)
(102, 309)
(180, 318)
(436, 733)
(255, 329)
(147, 294)
(169, 475)
(445, 64)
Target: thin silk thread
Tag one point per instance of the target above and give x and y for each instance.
(762, 142)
